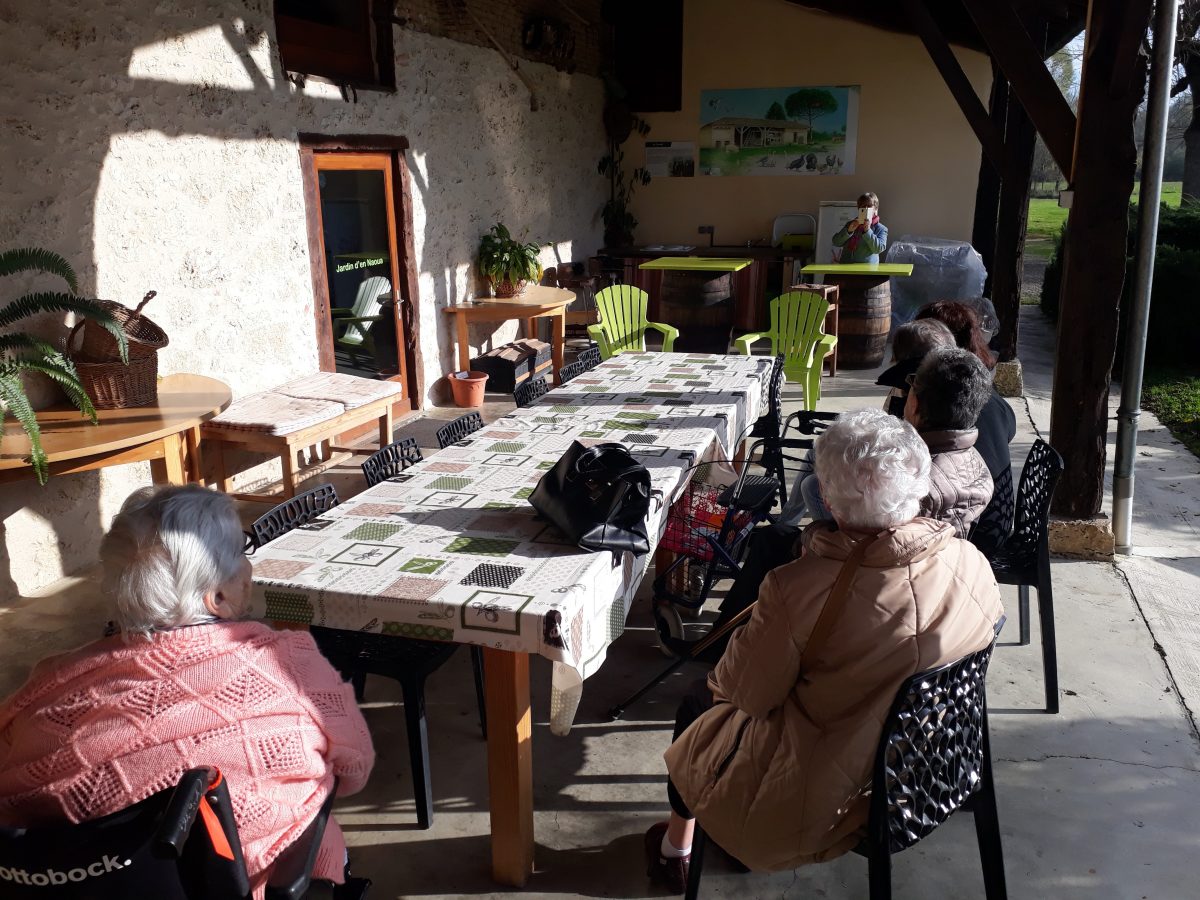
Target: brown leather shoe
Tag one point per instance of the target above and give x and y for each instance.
(670, 873)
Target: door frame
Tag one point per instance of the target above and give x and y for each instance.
(408, 307)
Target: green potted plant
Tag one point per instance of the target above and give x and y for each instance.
(507, 263)
(23, 353)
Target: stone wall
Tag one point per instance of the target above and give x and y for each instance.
(155, 145)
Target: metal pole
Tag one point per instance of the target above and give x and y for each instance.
(1153, 149)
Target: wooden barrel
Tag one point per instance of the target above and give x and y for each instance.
(864, 319)
(700, 305)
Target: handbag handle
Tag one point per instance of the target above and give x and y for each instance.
(594, 453)
(835, 600)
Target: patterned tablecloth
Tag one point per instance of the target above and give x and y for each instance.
(451, 550)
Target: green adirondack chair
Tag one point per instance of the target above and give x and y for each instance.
(351, 326)
(623, 321)
(797, 333)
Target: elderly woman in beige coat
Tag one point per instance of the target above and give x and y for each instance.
(774, 754)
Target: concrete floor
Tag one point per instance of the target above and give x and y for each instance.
(1102, 800)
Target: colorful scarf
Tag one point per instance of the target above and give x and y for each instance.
(856, 236)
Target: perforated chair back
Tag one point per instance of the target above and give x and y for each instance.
(589, 358)
(933, 754)
(1031, 521)
(768, 424)
(571, 371)
(300, 510)
(159, 848)
(391, 460)
(990, 532)
(530, 391)
(462, 427)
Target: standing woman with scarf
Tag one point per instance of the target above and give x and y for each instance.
(864, 237)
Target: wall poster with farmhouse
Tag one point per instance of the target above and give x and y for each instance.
(779, 131)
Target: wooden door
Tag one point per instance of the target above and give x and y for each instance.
(360, 301)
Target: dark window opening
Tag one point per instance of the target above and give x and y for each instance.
(345, 41)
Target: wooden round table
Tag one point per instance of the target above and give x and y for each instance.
(166, 433)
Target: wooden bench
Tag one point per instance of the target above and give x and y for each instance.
(308, 413)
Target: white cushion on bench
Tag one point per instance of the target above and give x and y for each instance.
(273, 413)
(348, 390)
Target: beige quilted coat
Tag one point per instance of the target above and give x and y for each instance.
(776, 771)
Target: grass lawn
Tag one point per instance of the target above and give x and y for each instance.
(1046, 216)
(1174, 396)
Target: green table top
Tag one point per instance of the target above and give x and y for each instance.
(696, 264)
(902, 269)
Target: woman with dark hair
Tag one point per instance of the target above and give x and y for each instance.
(963, 323)
(997, 424)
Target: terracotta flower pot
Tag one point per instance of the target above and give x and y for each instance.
(468, 387)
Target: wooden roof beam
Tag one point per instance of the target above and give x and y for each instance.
(926, 27)
(1023, 66)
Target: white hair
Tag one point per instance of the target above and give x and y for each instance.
(166, 549)
(873, 469)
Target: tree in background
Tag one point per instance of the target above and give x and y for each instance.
(1064, 66)
(1187, 63)
(776, 112)
(809, 103)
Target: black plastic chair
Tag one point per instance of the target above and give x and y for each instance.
(358, 654)
(994, 525)
(572, 371)
(934, 757)
(530, 391)
(1024, 560)
(462, 427)
(589, 358)
(768, 424)
(157, 849)
(391, 460)
(300, 510)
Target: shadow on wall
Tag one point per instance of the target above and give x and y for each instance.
(82, 88)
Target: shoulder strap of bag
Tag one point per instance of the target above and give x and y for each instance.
(834, 602)
(827, 617)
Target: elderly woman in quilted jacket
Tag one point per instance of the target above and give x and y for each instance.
(773, 754)
(185, 684)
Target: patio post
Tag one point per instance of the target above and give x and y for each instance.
(1153, 152)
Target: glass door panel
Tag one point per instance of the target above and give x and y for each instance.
(358, 236)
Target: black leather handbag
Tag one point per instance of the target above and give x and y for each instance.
(598, 497)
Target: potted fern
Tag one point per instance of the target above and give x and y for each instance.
(23, 353)
(507, 263)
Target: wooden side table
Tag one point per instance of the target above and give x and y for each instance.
(538, 302)
(166, 433)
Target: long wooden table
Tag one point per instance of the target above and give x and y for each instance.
(166, 433)
(538, 302)
(451, 550)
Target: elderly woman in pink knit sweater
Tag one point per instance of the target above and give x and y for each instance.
(185, 684)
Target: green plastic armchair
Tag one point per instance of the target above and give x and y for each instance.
(623, 321)
(798, 335)
(351, 326)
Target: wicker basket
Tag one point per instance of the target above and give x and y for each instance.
(110, 383)
(144, 337)
(508, 288)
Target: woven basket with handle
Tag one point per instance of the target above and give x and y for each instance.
(144, 337)
(110, 383)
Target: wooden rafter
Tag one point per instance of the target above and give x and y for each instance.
(947, 64)
(1026, 71)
